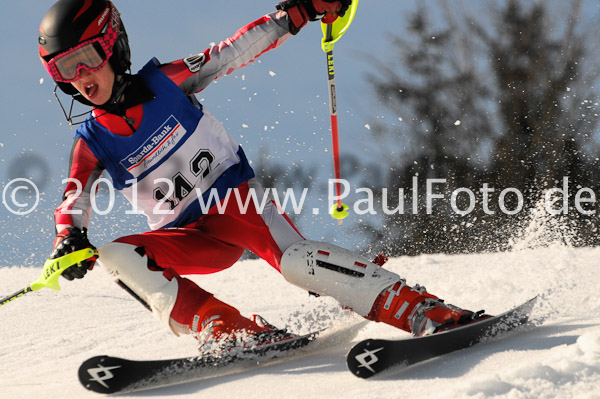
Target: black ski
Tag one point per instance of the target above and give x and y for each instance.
(373, 356)
(107, 374)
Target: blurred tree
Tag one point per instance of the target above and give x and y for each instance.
(508, 99)
(543, 95)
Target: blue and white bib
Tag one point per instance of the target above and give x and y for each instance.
(179, 152)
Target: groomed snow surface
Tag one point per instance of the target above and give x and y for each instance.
(45, 335)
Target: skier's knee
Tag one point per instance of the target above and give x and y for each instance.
(130, 267)
(326, 269)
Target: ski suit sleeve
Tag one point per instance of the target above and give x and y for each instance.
(195, 73)
(84, 169)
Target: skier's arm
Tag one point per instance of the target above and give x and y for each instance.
(193, 74)
(84, 169)
(73, 214)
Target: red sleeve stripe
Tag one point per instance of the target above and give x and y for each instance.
(250, 26)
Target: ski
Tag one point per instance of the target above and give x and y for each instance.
(108, 374)
(374, 356)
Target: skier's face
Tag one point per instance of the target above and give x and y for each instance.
(96, 86)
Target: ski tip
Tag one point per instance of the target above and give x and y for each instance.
(363, 358)
(97, 374)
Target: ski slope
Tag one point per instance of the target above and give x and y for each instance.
(47, 334)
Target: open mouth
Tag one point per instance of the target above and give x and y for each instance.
(91, 90)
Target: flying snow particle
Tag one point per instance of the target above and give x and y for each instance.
(244, 126)
(271, 73)
(457, 123)
(367, 126)
(41, 81)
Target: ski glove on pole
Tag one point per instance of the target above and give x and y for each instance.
(301, 11)
(69, 240)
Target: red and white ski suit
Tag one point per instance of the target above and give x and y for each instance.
(169, 136)
(215, 240)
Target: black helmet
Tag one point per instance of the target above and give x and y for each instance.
(68, 23)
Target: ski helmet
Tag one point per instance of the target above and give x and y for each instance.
(71, 24)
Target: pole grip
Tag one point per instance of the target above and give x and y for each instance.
(52, 270)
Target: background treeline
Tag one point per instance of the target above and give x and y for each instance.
(507, 96)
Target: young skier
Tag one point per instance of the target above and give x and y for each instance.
(161, 147)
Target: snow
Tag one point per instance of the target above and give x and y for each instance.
(47, 334)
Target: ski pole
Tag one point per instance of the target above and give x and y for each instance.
(339, 210)
(53, 268)
(334, 28)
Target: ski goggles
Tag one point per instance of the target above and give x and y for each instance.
(92, 55)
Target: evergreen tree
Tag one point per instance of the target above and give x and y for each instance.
(508, 100)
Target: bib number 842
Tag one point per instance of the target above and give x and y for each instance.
(178, 186)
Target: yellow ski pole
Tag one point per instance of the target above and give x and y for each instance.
(53, 268)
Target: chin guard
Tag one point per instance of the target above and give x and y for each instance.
(111, 106)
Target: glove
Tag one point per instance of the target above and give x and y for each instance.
(70, 240)
(301, 11)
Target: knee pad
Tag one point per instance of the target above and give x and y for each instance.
(129, 268)
(326, 269)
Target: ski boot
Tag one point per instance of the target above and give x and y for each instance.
(414, 310)
(220, 329)
(433, 315)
